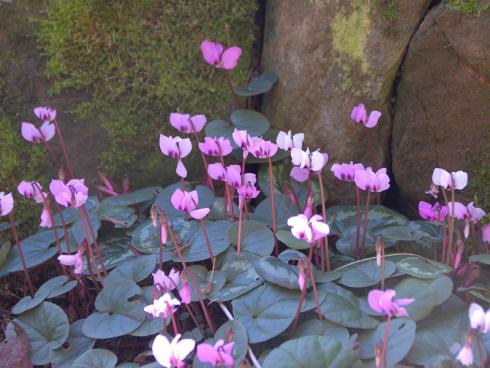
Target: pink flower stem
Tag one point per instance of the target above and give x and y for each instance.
(385, 340)
(383, 268)
(358, 217)
(239, 240)
(63, 148)
(193, 317)
(236, 101)
(88, 253)
(193, 279)
(174, 324)
(21, 254)
(51, 154)
(161, 247)
(315, 291)
(473, 239)
(480, 351)
(324, 214)
(208, 243)
(229, 197)
(451, 229)
(182, 183)
(89, 248)
(364, 231)
(209, 181)
(51, 219)
(94, 236)
(444, 242)
(273, 208)
(63, 225)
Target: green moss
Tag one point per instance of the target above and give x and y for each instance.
(140, 60)
(390, 9)
(468, 7)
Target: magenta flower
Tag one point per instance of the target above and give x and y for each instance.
(307, 162)
(234, 176)
(359, 115)
(465, 355)
(479, 319)
(44, 113)
(220, 354)
(431, 212)
(46, 219)
(308, 229)
(215, 146)
(172, 354)
(455, 180)
(72, 194)
(242, 140)
(165, 283)
(30, 190)
(6, 203)
(287, 142)
(346, 172)
(384, 302)
(248, 190)
(261, 148)
(217, 171)
(213, 54)
(187, 124)
(177, 148)
(485, 233)
(372, 181)
(460, 211)
(162, 307)
(187, 202)
(185, 293)
(72, 260)
(301, 280)
(32, 134)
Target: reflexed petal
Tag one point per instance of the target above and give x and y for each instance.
(185, 147)
(298, 140)
(180, 169)
(477, 316)
(300, 174)
(211, 52)
(441, 177)
(30, 133)
(460, 179)
(177, 199)
(373, 119)
(317, 161)
(217, 171)
(358, 113)
(297, 156)
(284, 141)
(199, 121)
(180, 122)
(230, 57)
(374, 297)
(6, 203)
(383, 182)
(48, 131)
(161, 350)
(183, 348)
(199, 213)
(207, 354)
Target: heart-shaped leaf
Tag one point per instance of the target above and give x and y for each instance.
(77, 343)
(115, 251)
(121, 217)
(96, 358)
(138, 196)
(401, 336)
(252, 121)
(209, 282)
(257, 86)
(46, 326)
(284, 210)
(277, 272)
(312, 352)
(115, 316)
(136, 269)
(285, 236)
(422, 268)
(217, 232)
(343, 307)
(315, 327)
(365, 274)
(257, 238)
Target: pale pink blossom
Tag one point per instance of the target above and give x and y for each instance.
(485, 233)
(187, 124)
(465, 355)
(306, 162)
(46, 218)
(172, 354)
(287, 142)
(166, 283)
(177, 148)
(455, 180)
(384, 302)
(372, 181)
(72, 260)
(248, 190)
(213, 146)
(185, 293)
(346, 172)
(38, 135)
(475, 214)
(261, 148)
(163, 307)
(242, 140)
(31, 190)
(308, 229)
(220, 354)
(431, 212)
(187, 202)
(217, 171)
(360, 116)
(72, 194)
(6, 203)
(45, 113)
(479, 319)
(215, 54)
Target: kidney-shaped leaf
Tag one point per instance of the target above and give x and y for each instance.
(218, 238)
(46, 326)
(312, 352)
(252, 121)
(315, 327)
(277, 272)
(365, 274)
(96, 358)
(136, 269)
(138, 196)
(208, 282)
(422, 268)
(257, 238)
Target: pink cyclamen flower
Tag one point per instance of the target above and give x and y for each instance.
(475, 214)
(216, 146)
(261, 148)
(6, 203)
(346, 172)
(187, 124)
(217, 171)
(287, 142)
(30, 190)
(165, 283)
(479, 319)
(372, 181)
(187, 202)
(242, 140)
(460, 210)
(177, 148)
(44, 113)
(248, 190)
(465, 355)
(220, 354)
(46, 219)
(72, 194)
(359, 115)
(172, 354)
(455, 180)
(72, 260)
(431, 212)
(32, 134)
(384, 302)
(162, 307)
(185, 293)
(485, 233)
(214, 54)
(306, 162)
(308, 229)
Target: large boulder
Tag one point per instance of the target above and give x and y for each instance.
(330, 56)
(442, 110)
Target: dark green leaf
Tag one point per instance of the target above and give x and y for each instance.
(96, 358)
(138, 196)
(257, 238)
(365, 274)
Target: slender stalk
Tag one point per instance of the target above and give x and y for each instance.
(473, 239)
(444, 242)
(94, 237)
(315, 292)
(451, 228)
(236, 101)
(89, 249)
(480, 351)
(161, 246)
(174, 324)
(193, 317)
(209, 181)
(364, 230)
(63, 148)
(324, 214)
(273, 208)
(208, 243)
(65, 230)
(385, 340)
(51, 219)
(21, 253)
(240, 213)
(89, 265)
(229, 197)
(383, 268)
(51, 154)
(358, 217)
